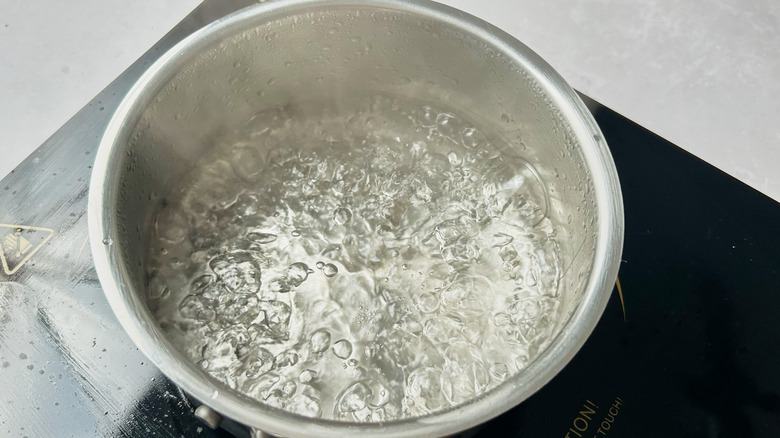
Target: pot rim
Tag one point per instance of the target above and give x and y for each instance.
(142, 329)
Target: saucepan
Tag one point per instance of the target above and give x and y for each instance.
(280, 53)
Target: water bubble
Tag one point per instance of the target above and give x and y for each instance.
(428, 303)
(320, 341)
(107, 241)
(260, 237)
(297, 273)
(330, 270)
(158, 290)
(171, 225)
(354, 398)
(342, 348)
(286, 359)
(243, 309)
(307, 376)
(453, 158)
(258, 362)
(472, 139)
(451, 231)
(277, 314)
(500, 239)
(447, 232)
(274, 323)
(295, 233)
(462, 382)
(522, 359)
(320, 265)
(342, 215)
(279, 286)
(304, 405)
(194, 308)
(289, 388)
(247, 163)
(499, 371)
(448, 126)
(428, 117)
(469, 297)
(525, 310)
(259, 385)
(276, 398)
(507, 253)
(207, 289)
(424, 391)
(238, 271)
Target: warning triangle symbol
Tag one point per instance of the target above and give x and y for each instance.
(18, 243)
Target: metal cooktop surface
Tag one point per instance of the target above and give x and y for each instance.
(689, 352)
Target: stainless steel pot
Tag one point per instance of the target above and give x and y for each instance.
(286, 51)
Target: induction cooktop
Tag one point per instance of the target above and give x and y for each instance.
(686, 348)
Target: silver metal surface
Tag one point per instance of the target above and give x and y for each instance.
(67, 368)
(257, 433)
(207, 415)
(226, 72)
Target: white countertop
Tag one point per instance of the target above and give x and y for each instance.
(703, 74)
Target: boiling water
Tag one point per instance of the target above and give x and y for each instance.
(384, 263)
